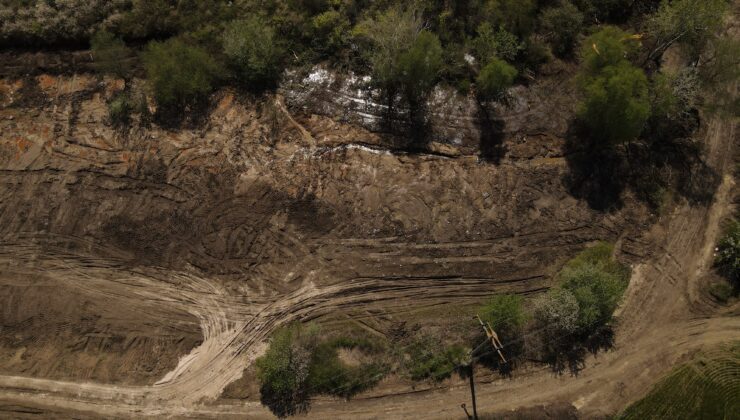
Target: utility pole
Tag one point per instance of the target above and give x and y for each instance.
(498, 346)
(472, 390)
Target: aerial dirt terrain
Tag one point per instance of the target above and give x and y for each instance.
(143, 269)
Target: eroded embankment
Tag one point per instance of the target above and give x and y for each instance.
(259, 216)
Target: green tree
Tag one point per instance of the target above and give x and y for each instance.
(110, 54)
(179, 74)
(690, 22)
(556, 313)
(506, 314)
(728, 252)
(494, 79)
(617, 103)
(407, 60)
(490, 44)
(597, 292)
(517, 16)
(283, 371)
(607, 47)
(252, 49)
(562, 25)
(390, 34)
(419, 69)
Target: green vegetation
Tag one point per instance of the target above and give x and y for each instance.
(616, 102)
(578, 312)
(300, 363)
(329, 375)
(688, 22)
(283, 371)
(119, 110)
(179, 74)
(428, 359)
(562, 25)
(253, 52)
(727, 258)
(506, 315)
(494, 79)
(597, 283)
(110, 54)
(705, 388)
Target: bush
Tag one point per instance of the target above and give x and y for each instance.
(42, 22)
(299, 364)
(562, 26)
(283, 371)
(119, 110)
(517, 16)
(253, 52)
(179, 74)
(597, 292)
(556, 313)
(109, 54)
(494, 79)
(597, 282)
(499, 44)
(727, 258)
(329, 376)
(506, 315)
(419, 68)
(616, 104)
(690, 22)
(430, 360)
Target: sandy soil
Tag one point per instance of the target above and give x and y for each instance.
(181, 251)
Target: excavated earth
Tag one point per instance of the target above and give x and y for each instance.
(143, 268)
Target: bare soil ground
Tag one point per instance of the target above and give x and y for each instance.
(141, 270)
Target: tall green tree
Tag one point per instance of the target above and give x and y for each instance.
(616, 99)
(283, 371)
(179, 74)
(562, 25)
(254, 53)
(689, 22)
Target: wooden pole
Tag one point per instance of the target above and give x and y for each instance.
(472, 390)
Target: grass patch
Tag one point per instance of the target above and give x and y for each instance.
(706, 388)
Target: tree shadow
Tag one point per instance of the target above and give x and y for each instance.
(596, 171)
(491, 145)
(569, 353)
(191, 116)
(670, 160)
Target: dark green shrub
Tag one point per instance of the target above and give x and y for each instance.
(562, 25)
(328, 375)
(689, 22)
(727, 258)
(517, 16)
(494, 79)
(430, 360)
(419, 67)
(179, 74)
(616, 102)
(252, 49)
(490, 44)
(119, 110)
(283, 370)
(110, 54)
